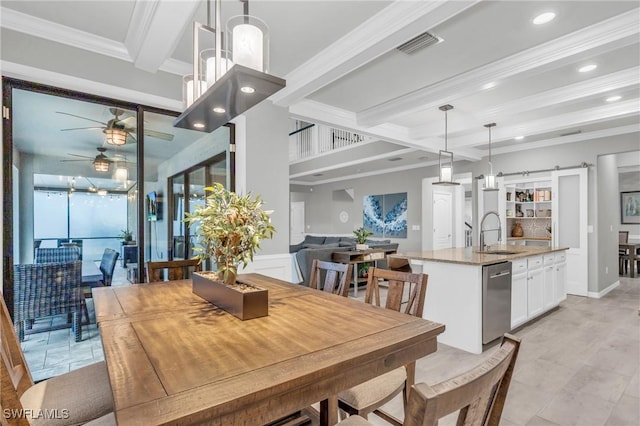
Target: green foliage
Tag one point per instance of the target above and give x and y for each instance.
(362, 235)
(126, 235)
(229, 228)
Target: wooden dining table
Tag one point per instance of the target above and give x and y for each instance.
(631, 247)
(174, 358)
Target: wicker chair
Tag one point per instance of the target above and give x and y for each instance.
(47, 289)
(60, 254)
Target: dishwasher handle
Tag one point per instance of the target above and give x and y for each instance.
(500, 274)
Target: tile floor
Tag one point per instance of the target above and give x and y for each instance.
(578, 365)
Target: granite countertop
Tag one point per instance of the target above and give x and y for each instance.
(470, 256)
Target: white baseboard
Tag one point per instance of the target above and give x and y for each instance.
(602, 293)
(272, 265)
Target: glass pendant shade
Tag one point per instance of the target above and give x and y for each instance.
(115, 136)
(121, 174)
(208, 65)
(490, 183)
(248, 42)
(188, 90)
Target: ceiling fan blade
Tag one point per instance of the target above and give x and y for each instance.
(129, 121)
(68, 161)
(84, 118)
(81, 156)
(158, 135)
(82, 128)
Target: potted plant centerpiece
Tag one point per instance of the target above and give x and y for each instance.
(361, 238)
(126, 236)
(229, 228)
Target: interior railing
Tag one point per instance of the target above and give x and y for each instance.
(316, 139)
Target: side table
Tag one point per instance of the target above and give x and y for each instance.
(355, 257)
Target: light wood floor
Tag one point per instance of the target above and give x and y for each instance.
(578, 365)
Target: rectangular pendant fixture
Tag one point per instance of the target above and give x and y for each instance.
(235, 92)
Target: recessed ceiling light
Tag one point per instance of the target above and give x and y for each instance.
(489, 85)
(247, 89)
(519, 138)
(613, 98)
(543, 18)
(219, 110)
(587, 68)
(198, 125)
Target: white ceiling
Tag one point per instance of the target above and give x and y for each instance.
(342, 69)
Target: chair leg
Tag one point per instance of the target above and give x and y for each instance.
(77, 325)
(20, 330)
(29, 324)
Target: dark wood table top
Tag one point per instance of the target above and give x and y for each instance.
(173, 357)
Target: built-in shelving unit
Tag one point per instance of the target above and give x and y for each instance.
(529, 202)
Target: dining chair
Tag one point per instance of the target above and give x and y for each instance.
(406, 293)
(331, 277)
(108, 265)
(478, 394)
(176, 269)
(623, 256)
(72, 398)
(58, 254)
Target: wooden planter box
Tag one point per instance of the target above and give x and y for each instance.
(241, 304)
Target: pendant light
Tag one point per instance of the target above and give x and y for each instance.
(115, 136)
(226, 82)
(101, 163)
(445, 158)
(490, 178)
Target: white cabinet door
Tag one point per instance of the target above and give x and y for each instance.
(518, 299)
(560, 280)
(549, 296)
(535, 291)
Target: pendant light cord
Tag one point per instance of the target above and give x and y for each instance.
(445, 130)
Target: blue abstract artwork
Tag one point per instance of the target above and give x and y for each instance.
(386, 215)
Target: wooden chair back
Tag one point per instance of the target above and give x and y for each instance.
(623, 237)
(479, 394)
(176, 269)
(15, 377)
(399, 282)
(331, 277)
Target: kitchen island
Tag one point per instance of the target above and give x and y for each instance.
(455, 287)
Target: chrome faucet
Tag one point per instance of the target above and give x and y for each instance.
(499, 229)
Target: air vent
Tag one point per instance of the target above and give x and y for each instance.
(419, 42)
(577, 132)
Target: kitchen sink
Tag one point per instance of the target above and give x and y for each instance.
(498, 252)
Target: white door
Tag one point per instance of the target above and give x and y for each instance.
(442, 220)
(296, 222)
(569, 227)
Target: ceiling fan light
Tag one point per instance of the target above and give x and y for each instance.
(101, 165)
(116, 136)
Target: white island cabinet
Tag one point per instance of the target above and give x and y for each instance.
(454, 288)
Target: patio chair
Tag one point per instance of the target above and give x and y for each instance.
(478, 394)
(176, 269)
(79, 396)
(367, 397)
(47, 289)
(331, 277)
(59, 254)
(107, 265)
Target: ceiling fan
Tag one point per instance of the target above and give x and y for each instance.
(101, 163)
(119, 131)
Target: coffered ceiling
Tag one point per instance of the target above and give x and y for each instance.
(343, 69)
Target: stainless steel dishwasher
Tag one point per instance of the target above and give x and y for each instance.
(496, 301)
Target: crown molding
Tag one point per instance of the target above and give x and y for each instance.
(392, 26)
(141, 20)
(600, 35)
(51, 78)
(553, 123)
(52, 31)
(561, 140)
(174, 66)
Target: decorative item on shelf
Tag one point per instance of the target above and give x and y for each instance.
(527, 196)
(226, 82)
(529, 212)
(509, 213)
(229, 228)
(517, 230)
(361, 238)
(548, 228)
(519, 211)
(445, 158)
(547, 195)
(508, 196)
(490, 183)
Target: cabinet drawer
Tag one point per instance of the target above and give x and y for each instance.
(518, 266)
(534, 262)
(561, 256)
(549, 259)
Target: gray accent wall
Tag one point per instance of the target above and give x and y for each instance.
(629, 181)
(322, 213)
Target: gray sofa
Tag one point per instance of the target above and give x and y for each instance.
(322, 247)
